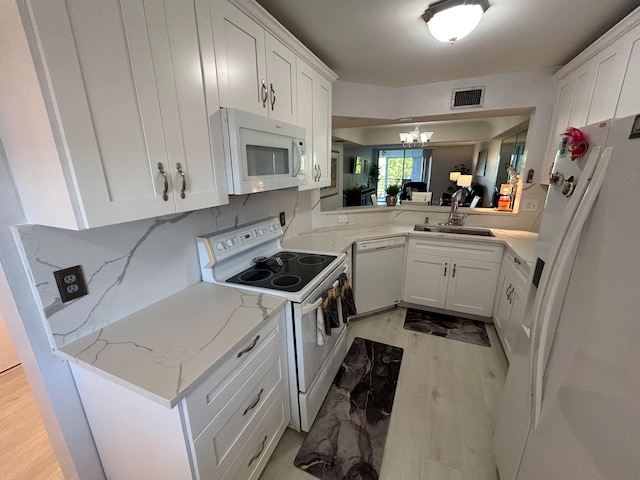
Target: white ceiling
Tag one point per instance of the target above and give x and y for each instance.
(384, 42)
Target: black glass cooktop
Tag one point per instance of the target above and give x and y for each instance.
(297, 270)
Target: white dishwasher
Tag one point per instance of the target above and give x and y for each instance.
(379, 273)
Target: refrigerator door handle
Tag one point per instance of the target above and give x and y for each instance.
(564, 258)
(533, 321)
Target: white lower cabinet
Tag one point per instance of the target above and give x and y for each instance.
(454, 275)
(511, 300)
(226, 428)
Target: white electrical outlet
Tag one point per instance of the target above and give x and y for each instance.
(343, 218)
(530, 205)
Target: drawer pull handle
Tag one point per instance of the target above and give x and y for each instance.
(253, 405)
(250, 347)
(257, 455)
(445, 269)
(517, 260)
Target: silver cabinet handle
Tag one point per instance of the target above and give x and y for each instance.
(445, 269)
(253, 405)
(272, 93)
(265, 93)
(184, 180)
(454, 271)
(257, 455)
(319, 173)
(250, 347)
(165, 192)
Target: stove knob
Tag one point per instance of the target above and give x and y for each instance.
(259, 232)
(229, 242)
(272, 227)
(219, 246)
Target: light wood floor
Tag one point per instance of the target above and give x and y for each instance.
(25, 450)
(444, 410)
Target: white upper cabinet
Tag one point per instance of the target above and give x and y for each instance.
(126, 103)
(256, 72)
(314, 114)
(600, 83)
(322, 130)
(629, 101)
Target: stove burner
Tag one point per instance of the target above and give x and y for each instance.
(297, 271)
(312, 259)
(286, 281)
(255, 275)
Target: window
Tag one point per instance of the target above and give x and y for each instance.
(397, 167)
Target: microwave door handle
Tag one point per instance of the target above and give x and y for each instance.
(297, 158)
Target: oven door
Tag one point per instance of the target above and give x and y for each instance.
(317, 365)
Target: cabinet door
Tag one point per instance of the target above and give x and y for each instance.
(503, 309)
(281, 73)
(426, 280)
(106, 101)
(608, 70)
(322, 130)
(306, 79)
(472, 286)
(629, 101)
(240, 58)
(187, 100)
(517, 300)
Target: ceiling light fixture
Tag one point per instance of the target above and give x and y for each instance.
(451, 20)
(415, 138)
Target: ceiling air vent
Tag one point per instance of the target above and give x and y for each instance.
(467, 97)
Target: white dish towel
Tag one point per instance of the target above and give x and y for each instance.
(321, 334)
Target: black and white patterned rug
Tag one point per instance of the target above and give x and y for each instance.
(347, 439)
(447, 326)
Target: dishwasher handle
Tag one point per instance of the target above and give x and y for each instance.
(380, 244)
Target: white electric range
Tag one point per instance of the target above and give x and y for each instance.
(251, 257)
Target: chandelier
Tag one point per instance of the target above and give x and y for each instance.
(415, 138)
(450, 20)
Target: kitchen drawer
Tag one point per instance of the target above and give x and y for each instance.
(254, 456)
(205, 402)
(257, 439)
(486, 252)
(247, 403)
(520, 268)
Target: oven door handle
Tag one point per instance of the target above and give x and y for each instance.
(306, 309)
(313, 306)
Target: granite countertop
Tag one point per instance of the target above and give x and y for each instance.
(340, 238)
(164, 350)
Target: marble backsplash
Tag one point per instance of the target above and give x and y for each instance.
(132, 265)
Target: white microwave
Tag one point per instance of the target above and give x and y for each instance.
(260, 153)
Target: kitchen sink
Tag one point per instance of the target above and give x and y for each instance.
(482, 232)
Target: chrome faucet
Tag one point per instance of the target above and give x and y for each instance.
(455, 218)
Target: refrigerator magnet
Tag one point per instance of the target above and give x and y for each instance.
(635, 129)
(568, 187)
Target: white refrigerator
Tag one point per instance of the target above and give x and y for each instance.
(571, 403)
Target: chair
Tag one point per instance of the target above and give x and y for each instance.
(413, 187)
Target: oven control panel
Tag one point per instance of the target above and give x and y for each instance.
(226, 243)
